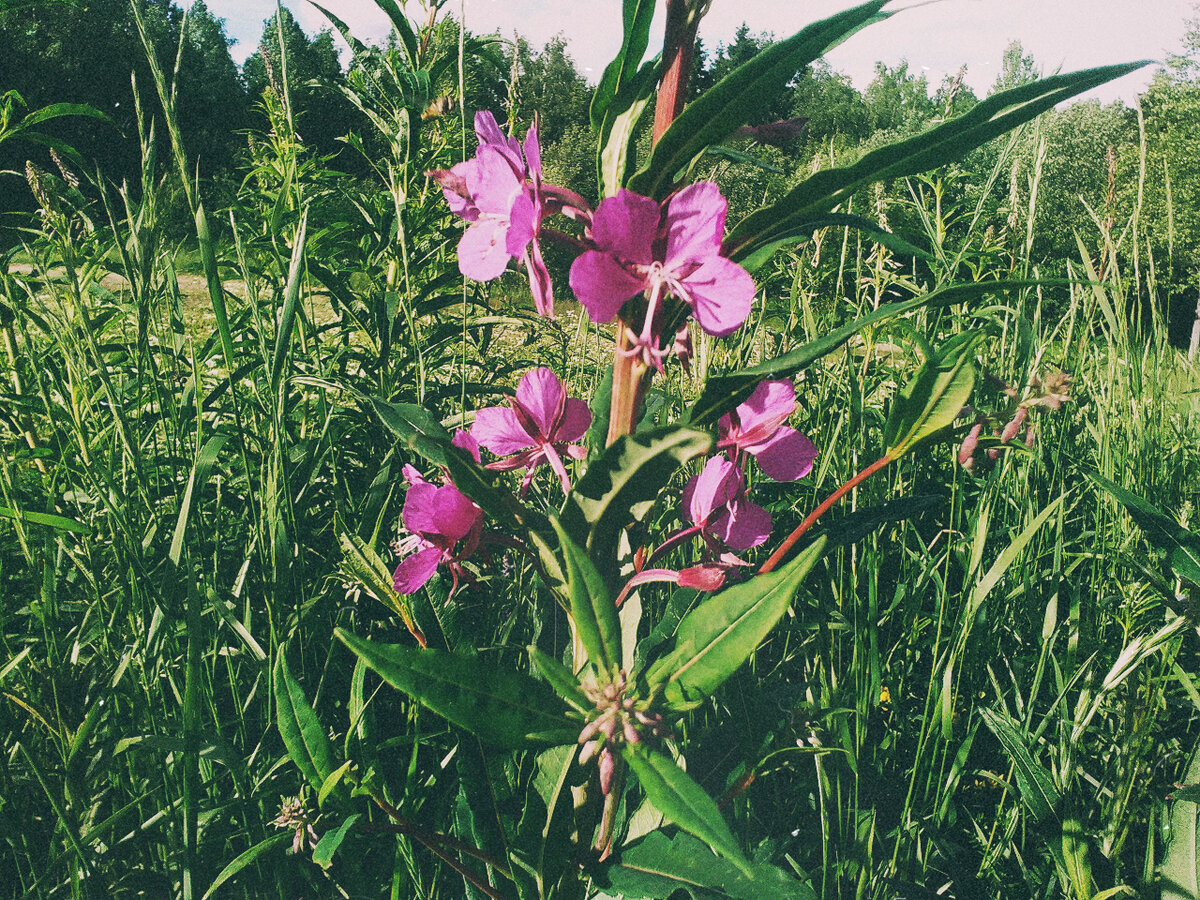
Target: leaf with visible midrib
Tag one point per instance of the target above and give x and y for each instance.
(305, 738)
(718, 636)
(677, 796)
(1034, 783)
(656, 865)
(500, 707)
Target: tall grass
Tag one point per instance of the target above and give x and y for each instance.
(987, 692)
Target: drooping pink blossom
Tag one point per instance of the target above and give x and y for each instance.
(673, 250)
(715, 501)
(437, 518)
(756, 427)
(539, 425)
(500, 193)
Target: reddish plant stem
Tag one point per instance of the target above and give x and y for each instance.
(808, 523)
(679, 45)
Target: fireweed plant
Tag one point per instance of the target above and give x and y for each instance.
(593, 735)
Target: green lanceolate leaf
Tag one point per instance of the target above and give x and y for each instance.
(361, 563)
(592, 607)
(1182, 546)
(1033, 781)
(417, 429)
(802, 231)
(617, 149)
(305, 738)
(683, 802)
(559, 677)
(621, 486)
(1180, 872)
(247, 858)
(716, 637)
(657, 865)
(725, 392)
(332, 840)
(500, 707)
(636, 16)
(935, 396)
(728, 104)
(824, 191)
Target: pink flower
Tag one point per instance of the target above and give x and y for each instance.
(715, 500)
(756, 427)
(674, 250)
(499, 192)
(537, 426)
(436, 519)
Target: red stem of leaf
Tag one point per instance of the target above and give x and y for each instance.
(808, 523)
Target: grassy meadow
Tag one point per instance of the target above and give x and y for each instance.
(988, 687)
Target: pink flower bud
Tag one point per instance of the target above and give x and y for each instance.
(607, 766)
(970, 442)
(631, 733)
(588, 751)
(1011, 429)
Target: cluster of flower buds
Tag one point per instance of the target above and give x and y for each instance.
(620, 718)
(293, 816)
(1049, 393)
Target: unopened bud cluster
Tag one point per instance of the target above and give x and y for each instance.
(620, 718)
(1047, 393)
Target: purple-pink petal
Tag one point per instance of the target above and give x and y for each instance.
(438, 512)
(720, 293)
(716, 485)
(695, 224)
(576, 419)
(602, 284)
(522, 224)
(786, 455)
(542, 395)
(772, 402)
(540, 285)
(491, 136)
(498, 429)
(464, 441)
(533, 151)
(492, 183)
(625, 225)
(483, 251)
(742, 524)
(413, 571)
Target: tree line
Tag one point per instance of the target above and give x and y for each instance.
(1081, 173)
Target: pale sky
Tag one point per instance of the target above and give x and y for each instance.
(935, 37)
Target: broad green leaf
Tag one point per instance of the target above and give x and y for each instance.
(728, 104)
(723, 393)
(622, 485)
(417, 429)
(683, 802)
(1180, 871)
(331, 783)
(824, 191)
(247, 858)
(657, 865)
(543, 836)
(404, 30)
(305, 738)
(802, 231)
(636, 16)
(617, 147)
(332, 840)
(559, 677)
(499, 706)
(361, 563)
(716, 637)
(1034, 783)
(935, 396)
(1181, 545)
(592, 607)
